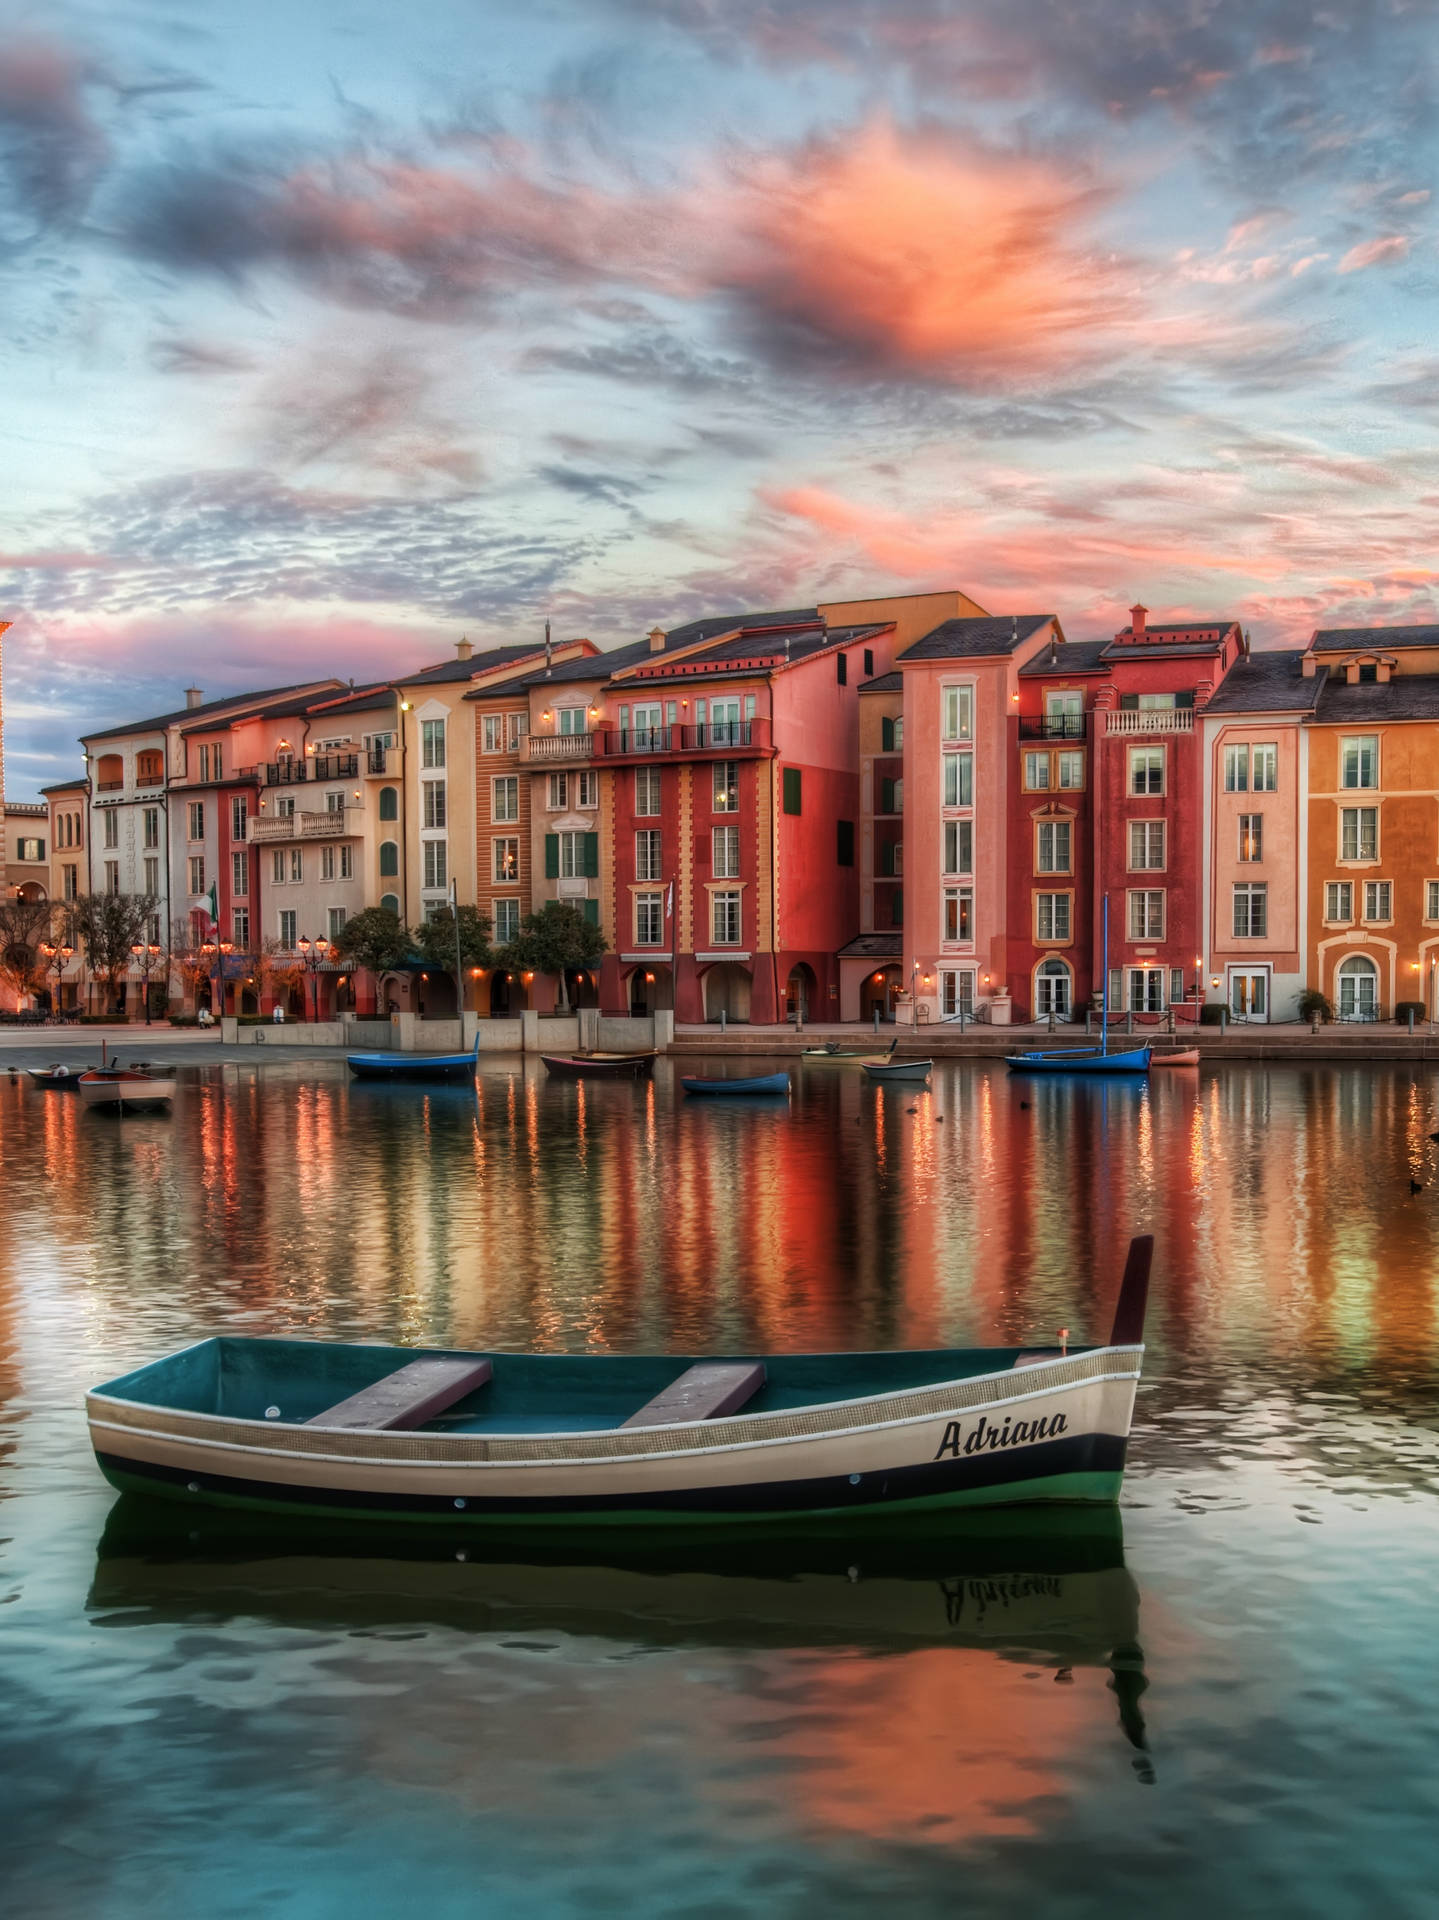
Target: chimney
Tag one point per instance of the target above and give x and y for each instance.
(1136, 621)
(1307, 665)
(656, 638)
(463, 649)
(194, 697)
(549, 650)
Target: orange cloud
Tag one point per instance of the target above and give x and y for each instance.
(1385, 252)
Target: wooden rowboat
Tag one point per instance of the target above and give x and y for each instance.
(594, 1066)
(414, 1066)
(126, 1089)
(65, 1078)
(899, 1069)
(1179, 1057)
(745, 1083)
(843, 1057)
(388, 1433)
(1080, 1060)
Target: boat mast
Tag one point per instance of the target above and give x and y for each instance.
(1104, 1023)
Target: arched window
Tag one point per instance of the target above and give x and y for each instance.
(1358, 988)
(389, 857)
(149, 769)
(109, 772)
(389, 803)
(1051, 989)
(391, 903)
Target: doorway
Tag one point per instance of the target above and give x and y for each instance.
(1358, 989)
(1249, 996)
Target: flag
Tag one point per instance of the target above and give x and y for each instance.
(214, 899)
(670, 901)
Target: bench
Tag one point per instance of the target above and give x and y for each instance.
(408, 1397)
(702, 1393)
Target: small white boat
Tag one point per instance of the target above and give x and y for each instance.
(898, 1069)
(126, 1089)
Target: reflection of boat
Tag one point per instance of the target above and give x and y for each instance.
(900, 1070)
(590, 1066)
(743, 1083)
(414, 1066)
(1178, 1057)
(554, 1439)
(126, 1089)
(63, 1077)
(845, 1056)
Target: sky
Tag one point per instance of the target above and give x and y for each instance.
(337, 331)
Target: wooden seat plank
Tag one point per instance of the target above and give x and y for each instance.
(408, 1397)
(702, 1393)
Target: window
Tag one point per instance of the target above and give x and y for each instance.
(891, 858)
(196, 814)
(572, 720)
(297, 864)
(72, 883)
(958, 913)
(152, 874)
(647, 851)
(432, 743)
(1378, 900)
(1359, 833)
(336, 917)
(1359, 761)
(287, 928)
(1251, 837)
(389, 858)
(1251, 910)
(277, 867)
(327, 863)
(112, 829)
(506, 861)
(869, 663)
(959, 846)
(649, 919)
(1146, 990)
(587, 789)
(112, 876)
(197, 873)
(1071, 770)
(493, 733)
(957, 993)
(505, 798)
(1036, 772)
(391, 903)
(240, 927)
(1051, 916)
(240, 874)
(724, 852)
(347, 863)
(1146, 845)
(507, 921)
(149, 768)
(1052, 846)
(959, 779)
(30, 850)
(726, 786)
(334, 802)
(239, 816)
(204, 764)
(841, 669)
(389, 803)
(150, 822)
(1265, 769)
(793, 790)
(959, 713)
(1236, 769)
(725, 919)
(1146, 914)
(1146, 769)
(437, 871)
(559, 799)
(517, 726)
(891, 734)
(844, 843)
(285, 807)
(891, 796)
(572, 856)
(432, 803)
(1431, 900)
(647, 790)
(1052, 990)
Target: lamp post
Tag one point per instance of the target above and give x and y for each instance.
(146, 954)
(313, 952)
(57, 958)
(219, 948)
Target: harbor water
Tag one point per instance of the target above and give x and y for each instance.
(1223, 1698)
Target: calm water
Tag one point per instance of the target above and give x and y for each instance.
(1227, 1699)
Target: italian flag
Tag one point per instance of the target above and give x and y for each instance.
(214, 899)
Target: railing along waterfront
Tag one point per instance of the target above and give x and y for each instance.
(1151, 720)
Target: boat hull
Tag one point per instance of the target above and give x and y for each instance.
(621, 1066)
(411, 1066)
(47, 1077)
(825, 1057)
(129, 1096)
(1181, 1057)
(754, 1083)
(1051, 1432)
(1080, 1060)
(901, 1070)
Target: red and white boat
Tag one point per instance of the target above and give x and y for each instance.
(126, 1089)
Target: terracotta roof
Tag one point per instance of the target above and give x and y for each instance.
(973, 637)
(717, 623)
(590, 666)
(486, 662)
(883, 683)
(215, 708)
(1408, 697)
(1268, 683)
(874, 946)
(1381, 639)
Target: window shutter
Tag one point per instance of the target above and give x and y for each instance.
(592, 856)
(886, 856)
(841, 669)
(552, 856)
(844, 843)
(592, 912)
(1128, 702)
(886, 734)
(793, 790)
(886, 796)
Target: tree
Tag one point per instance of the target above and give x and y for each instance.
(23, 925)
(376, 940)
(108, 925)
(279, 970)
(558, 940)
(435, 939)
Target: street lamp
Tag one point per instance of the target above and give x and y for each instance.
(146, 956)
(57, 958)
(313, 952)
(219, 948)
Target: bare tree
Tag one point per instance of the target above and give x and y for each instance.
(23, 925)
(109, 924)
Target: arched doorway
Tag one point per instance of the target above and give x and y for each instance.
(651, 988)
(345, 993)
(1053, 989)
(249, 1000)
(436, 996)
(727, 991)
(878, 993)
(30, 890)
(507, 994)
(1358, 983)
(583, 988)
(801, 993)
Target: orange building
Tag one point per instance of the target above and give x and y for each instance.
(1373, 805)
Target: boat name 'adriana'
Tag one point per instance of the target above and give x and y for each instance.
(987, 1438)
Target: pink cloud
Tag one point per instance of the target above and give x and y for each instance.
(1385, 252)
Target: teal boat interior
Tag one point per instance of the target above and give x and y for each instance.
(244, 1379)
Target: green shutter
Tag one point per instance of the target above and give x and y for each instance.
(886, 735)
(592, 856)
(389, 858)
(792, 790)
(552, 856)
(886, 857)
(886, 796)
(592, 912)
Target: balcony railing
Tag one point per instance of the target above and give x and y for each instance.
(376, 759)
(263, 828)
(315, 766)
(1151, 720)
(609, 743)
(1053, 726)
(559, 746)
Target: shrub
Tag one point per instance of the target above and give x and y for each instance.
(1314, 1006)
(1403, 1009)
(1211, 1014)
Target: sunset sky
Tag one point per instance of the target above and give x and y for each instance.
(335, 330)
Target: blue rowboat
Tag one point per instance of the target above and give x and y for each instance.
(751, 1083)
(1080, 1060)
(381, 1434)
(414, 1066)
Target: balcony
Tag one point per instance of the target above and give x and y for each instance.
(552, 748)
(263, 829)
(1054, 726)
(315, 766)
(377, 759)
(1151, 720)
